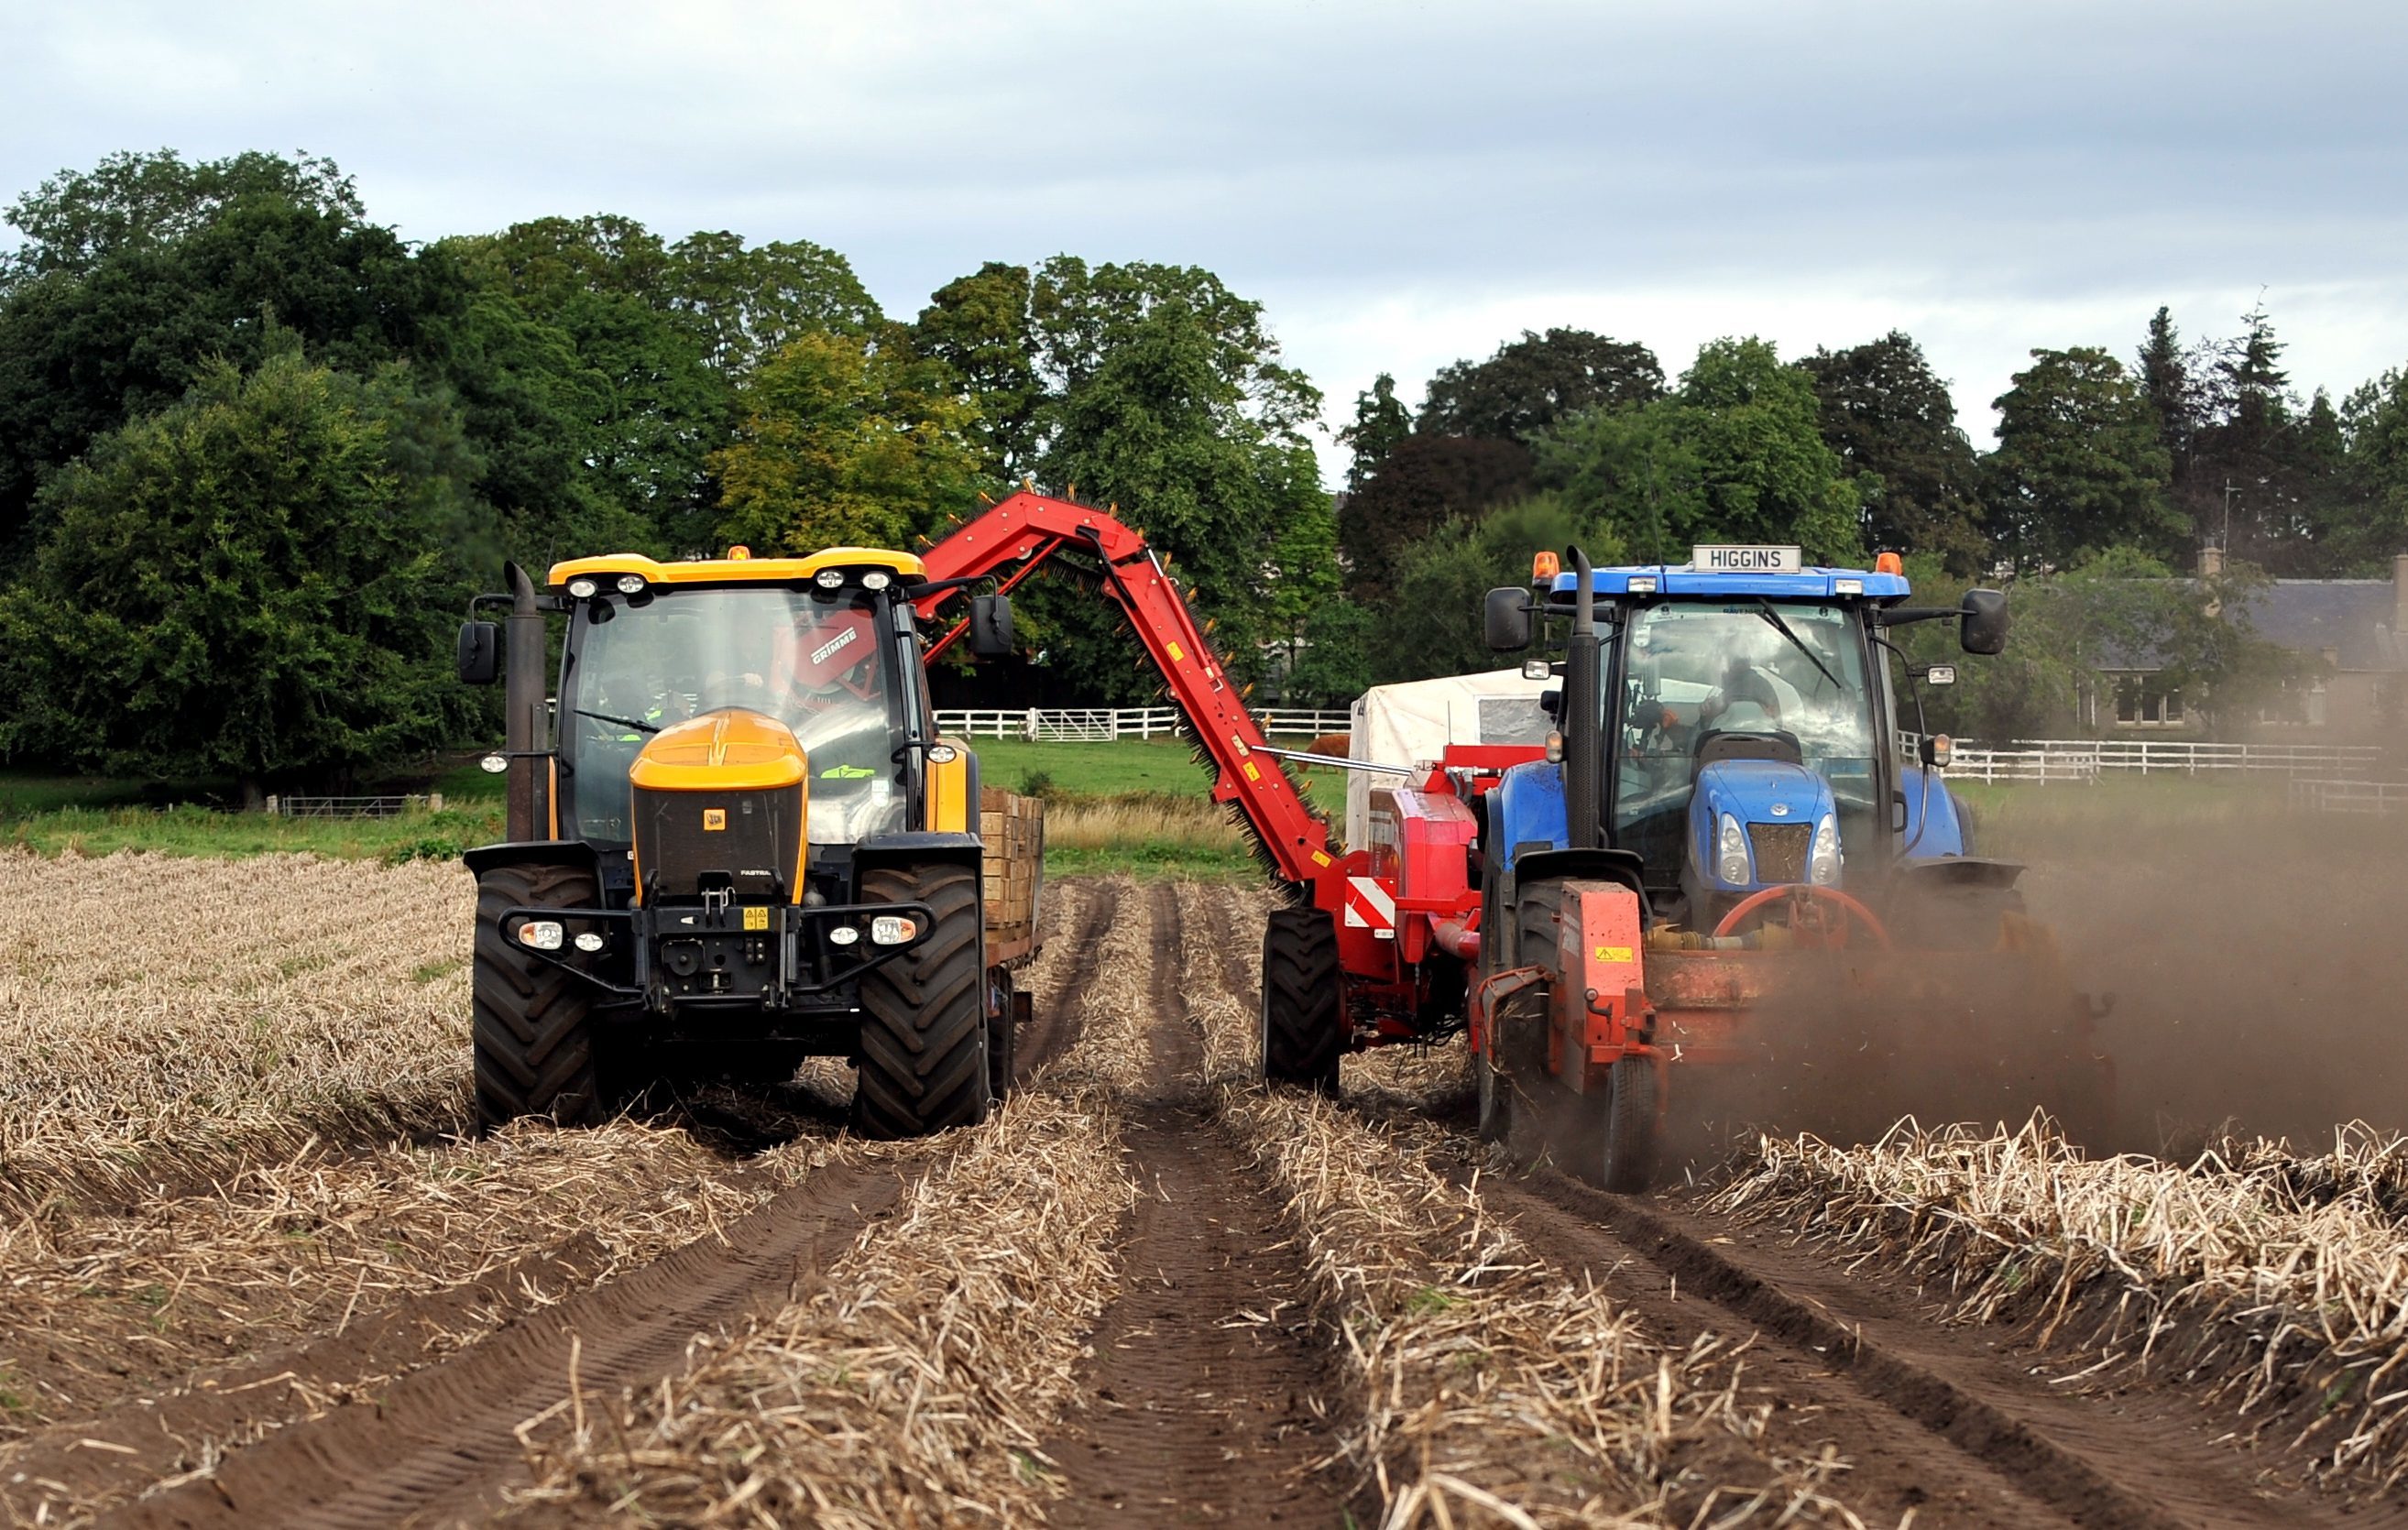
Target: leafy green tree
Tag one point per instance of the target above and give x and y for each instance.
(1380, 425)
(2118, 611)
(2373, 422)
(78, 218)
(1735, 454)
(2079, 467)
(1431, 623)
(981, 326)
(597, 391)
(246, 584)
(845, 440)
(1167, 396)
(1423, 483)
(1890, 419)
(746, 303)
(127, 302)
(1534, 381)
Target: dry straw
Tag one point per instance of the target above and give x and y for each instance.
(1487, 1388)
(2280, 1282)
(167, 1021)
(914, 1386)
(102, 1309)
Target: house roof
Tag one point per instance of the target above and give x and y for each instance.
(2354, 617)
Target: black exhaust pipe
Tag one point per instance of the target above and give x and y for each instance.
(529, 781)
(1582, 720)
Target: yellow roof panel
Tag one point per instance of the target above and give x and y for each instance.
(738, 570)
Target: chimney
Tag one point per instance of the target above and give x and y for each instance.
(2211, 562)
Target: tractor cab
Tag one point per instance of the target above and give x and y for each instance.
(1742, 732)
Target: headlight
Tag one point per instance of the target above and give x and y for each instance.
(589, 941)
(942, 754)
(877, 579)
(583, 588)
(540, 935)
(494, 765)
(1823, 862)
(829, 579)
(892, 930)
(1731, 853)
(631, 584)
(844, 935)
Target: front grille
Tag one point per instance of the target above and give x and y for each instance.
(1780, 851)
(743, 842)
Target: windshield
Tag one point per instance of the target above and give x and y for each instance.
(810, 659)
(1695, 668)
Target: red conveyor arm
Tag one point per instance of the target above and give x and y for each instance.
(1025, 530)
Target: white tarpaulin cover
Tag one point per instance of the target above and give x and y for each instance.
(1412, 723)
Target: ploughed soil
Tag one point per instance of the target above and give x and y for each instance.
(1209, 1386)
(1208, 1383)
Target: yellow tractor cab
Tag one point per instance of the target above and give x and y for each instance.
(734, 836)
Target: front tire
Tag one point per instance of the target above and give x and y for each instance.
(536, 1051)
(1304, 1000)
(924, 1033)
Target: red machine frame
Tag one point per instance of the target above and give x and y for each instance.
(1391, 901)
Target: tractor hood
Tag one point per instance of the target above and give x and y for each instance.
(1774, 811)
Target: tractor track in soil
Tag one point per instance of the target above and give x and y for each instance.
(1053, 1028)
(438, 1443)
(1931, 1418)
(1207, 1373)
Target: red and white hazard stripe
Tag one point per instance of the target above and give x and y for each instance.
(1370, 906)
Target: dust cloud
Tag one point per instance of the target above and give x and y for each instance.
(2258, 959)
(2255, 958)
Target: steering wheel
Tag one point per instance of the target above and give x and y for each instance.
(1820, 917)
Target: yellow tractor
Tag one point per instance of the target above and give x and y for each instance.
(734, 841)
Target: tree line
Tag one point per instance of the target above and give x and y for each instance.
(256, 451)
(2107, 479)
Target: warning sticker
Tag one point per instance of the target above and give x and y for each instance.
(1613, 953)
(714, 817)
(756, 919)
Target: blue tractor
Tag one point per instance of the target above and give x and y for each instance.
(1739, 847)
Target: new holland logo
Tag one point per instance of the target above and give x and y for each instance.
(822, 653)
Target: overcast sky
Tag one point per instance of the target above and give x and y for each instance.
(1401, 184)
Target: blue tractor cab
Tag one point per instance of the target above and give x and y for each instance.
(1732, 725)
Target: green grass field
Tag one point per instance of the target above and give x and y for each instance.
(1131, 805)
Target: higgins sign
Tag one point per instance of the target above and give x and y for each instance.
(1747, 560)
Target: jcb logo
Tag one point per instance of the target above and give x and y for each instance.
(714, 817)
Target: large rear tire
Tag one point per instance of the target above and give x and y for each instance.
(1304, 1000)
(536, 1050)
(924, 1033)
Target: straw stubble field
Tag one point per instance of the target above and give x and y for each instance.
(256, 1273)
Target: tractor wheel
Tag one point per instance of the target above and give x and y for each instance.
(1617, 1151)
(536, 1048)
(1304, 1000)
(1628, 1164)
(1003, 1032)
(924, 1033)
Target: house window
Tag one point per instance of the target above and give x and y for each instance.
(2145, 701)
(2298, 701)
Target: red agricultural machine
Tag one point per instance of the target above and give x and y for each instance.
(1723, 851)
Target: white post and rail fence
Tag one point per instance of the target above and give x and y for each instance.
(2321, 777)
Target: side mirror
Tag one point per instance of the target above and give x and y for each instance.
(480, 652)
(1505, 618)
(1982, 625)
(990, 631)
